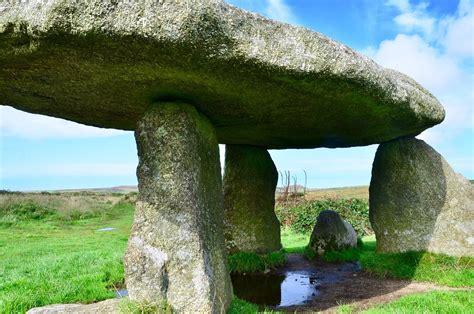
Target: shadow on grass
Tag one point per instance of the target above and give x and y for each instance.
(419, 266)
(382, 274)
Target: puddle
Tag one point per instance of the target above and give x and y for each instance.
(121, 293)
(299, 283)
(276, 290)
(106, 229)
(289, 287)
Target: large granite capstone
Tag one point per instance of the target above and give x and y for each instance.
(260, 82)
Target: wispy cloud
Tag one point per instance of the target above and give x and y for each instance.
(26, 125)
(70, 170)
(435, 51)
(278, 10)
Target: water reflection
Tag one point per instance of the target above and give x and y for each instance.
(276, 290)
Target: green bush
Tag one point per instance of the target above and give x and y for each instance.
(24, 211)
(302, 217)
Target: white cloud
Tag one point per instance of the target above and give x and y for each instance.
(435, 55)
(416, 20)
(459, 31)
(413, 17)
(402, 5)
(279, 10)
(412, 55)
(274, 9)
(71, 169)
(26, 125)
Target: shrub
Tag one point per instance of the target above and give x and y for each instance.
(301, 218)
(24, 211)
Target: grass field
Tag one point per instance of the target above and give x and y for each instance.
(63, 258)
(361, 192)
(56, 261)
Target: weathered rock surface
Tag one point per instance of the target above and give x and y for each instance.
(417, 201)
(332, 233)
(176, 247)
(260, 82)
(104, 307)
(250, 179)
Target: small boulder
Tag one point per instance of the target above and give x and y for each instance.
(332, 233)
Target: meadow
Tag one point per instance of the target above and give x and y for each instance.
(68, 248)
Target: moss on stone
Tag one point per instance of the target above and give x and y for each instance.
(176, 246)
(250, 179)
(81, 62)
(331, 233)
(417, 201)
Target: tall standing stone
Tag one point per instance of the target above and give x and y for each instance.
(176, 247)
(418, 203)
(250, 180)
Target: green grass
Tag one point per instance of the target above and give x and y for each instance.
(46, 259)
(239, 306)
(130, 307)
(251, 262)
(293, 242)
(52, 261)
(432, 302)
(437, 268)
(244, 262)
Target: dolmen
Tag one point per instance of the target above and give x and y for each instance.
(185, 76)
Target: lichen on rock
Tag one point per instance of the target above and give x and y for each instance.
(332, 233)
(176, 247)
(250, 179)
(418, 203)
(260, 82)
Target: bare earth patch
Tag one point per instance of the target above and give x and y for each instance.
(360, 289)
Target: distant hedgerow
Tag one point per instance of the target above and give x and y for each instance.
(24, 211)
(301, 217)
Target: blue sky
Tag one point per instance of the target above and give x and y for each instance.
(432, 41)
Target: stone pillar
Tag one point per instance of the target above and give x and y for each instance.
(418, 203)
(176, 247)
(250, 180)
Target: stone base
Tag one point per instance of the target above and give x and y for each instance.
(105, 307)
(418, 203)
(250, 180)
(176, 247)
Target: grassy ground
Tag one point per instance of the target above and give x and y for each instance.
(433, 302)
(361, 192)
(436, 268)
(63, 258)
(53, 261)
(244, 262)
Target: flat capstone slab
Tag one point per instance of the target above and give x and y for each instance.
(260, 82)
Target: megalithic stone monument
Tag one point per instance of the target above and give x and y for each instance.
(222, 75)
(250, 179)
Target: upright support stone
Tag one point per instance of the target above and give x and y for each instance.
(176, 247)
(250, 180)
(418, 203)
